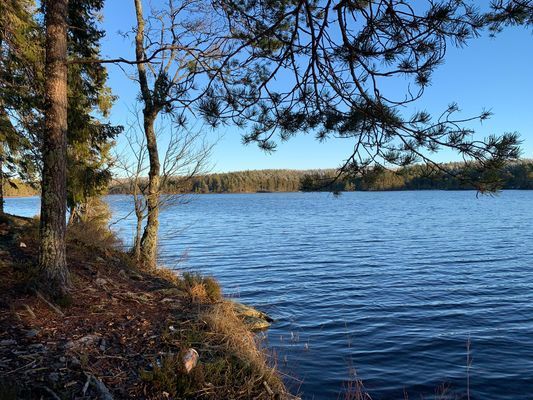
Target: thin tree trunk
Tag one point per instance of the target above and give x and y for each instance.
(149, 238)
(1, 186)
(137, 242)
(138, 230)
(52, 254)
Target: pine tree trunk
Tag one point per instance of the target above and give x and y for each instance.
(52, 254)
(149, 238)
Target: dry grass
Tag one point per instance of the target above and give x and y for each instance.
(232, 364)
(92, 234)
(201, 289)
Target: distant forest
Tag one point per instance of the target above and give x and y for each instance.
(17, 188)
(518, 175)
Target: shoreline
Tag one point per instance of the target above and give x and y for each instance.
(299, 191)
(143, 326)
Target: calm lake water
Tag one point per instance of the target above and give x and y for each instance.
(392, 284)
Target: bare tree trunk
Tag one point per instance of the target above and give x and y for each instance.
(1, 186)
(149, 238)
(137, 242)
(52, 252)
(139, 213)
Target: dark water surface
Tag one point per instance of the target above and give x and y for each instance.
(391, 284)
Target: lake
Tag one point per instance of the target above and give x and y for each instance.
(392, 285)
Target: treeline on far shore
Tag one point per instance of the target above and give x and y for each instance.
(518, 175)
(17, 188)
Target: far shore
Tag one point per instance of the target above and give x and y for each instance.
(299, 191)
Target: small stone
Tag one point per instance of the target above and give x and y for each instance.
(100, 260)
(32, 333)
(190, 359)
(54, 377)
(168, 300)
(22, 245)
(62, 359)
(100, 282)
(74, 361)
(85, 341)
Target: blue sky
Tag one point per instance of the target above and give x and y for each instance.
(491, 73)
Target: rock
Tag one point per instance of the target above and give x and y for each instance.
(256, 324)
(103, 391)
(32, 333)
(246, 311)
(84, 341)
(254, 319)
(190, 359)
(22, 245)
(54, 377)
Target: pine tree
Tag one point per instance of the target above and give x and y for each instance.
(52, 252)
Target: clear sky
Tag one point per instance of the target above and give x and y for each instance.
(491, 73)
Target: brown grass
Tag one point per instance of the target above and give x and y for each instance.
(201, 289)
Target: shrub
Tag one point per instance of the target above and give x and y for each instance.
(91, 228)
(201, 289)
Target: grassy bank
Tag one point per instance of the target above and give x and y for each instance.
(123, 333)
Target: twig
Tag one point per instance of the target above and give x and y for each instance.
(270, 392)
(53, 307)
(30, 311)
(20, 368)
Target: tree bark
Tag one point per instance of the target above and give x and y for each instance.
(52, 252)
(150, 112)
(1, 186)
(149, 238)
(139, 214)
